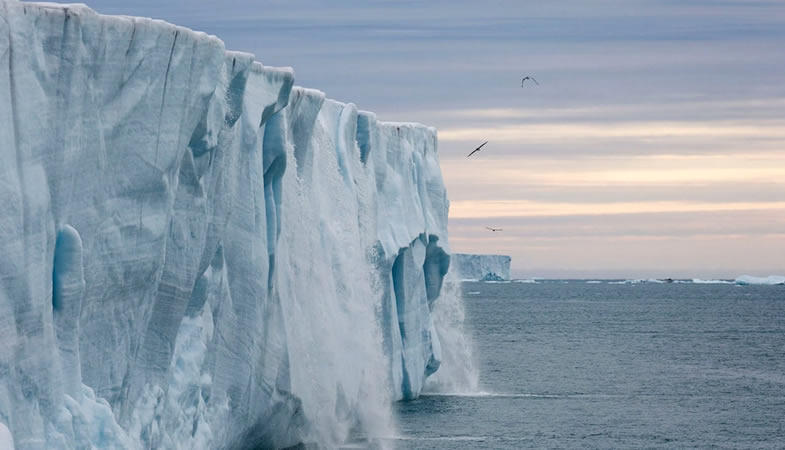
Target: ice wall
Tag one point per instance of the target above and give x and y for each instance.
(196, 254)
(480, 267)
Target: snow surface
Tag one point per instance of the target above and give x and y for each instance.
(195, 253)
(480, 267)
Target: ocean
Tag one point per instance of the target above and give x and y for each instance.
(571, 364)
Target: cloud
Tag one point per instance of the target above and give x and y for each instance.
(719, 192)
(688, 110)
(683, 131)
(522, 208)
(620, 171)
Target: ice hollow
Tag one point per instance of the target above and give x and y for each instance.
(197, 254)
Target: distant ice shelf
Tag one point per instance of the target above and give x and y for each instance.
(770, 280)
(480, 267)
(197, 254)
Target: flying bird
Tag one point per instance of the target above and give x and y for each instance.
(529, 78)
(476, 149)
(494, 229)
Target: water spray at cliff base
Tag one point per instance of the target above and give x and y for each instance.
(459, 372)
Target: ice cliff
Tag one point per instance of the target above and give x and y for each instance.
(196, 254)
(480, 267)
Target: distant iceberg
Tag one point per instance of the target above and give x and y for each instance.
(742, 280)
(745, 280)
(639, 281)
(701, 281)
(480, 267)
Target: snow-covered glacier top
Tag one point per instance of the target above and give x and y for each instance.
(467, 266)
(197, 254)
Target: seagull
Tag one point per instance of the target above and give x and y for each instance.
(494, 229)
(476, 149)
(529, 78)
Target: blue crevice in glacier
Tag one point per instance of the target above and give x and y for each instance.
(434, 268)
(365, 129)
(68, 286)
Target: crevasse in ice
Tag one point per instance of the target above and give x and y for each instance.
(196, 254)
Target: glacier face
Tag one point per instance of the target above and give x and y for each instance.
(466, 266)
(197, 254)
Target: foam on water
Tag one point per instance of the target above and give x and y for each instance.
(485, 394)
(440, 438)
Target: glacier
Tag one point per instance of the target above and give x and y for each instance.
(473, 267)
(195, 253)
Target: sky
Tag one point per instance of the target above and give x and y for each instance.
(654, 145)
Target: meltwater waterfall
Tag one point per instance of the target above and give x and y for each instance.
(194, 253)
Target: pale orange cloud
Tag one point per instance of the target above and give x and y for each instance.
(772, 129)
(747, 107)
(621, 171)
(523, 208)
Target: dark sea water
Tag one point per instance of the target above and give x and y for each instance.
(577, 365)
